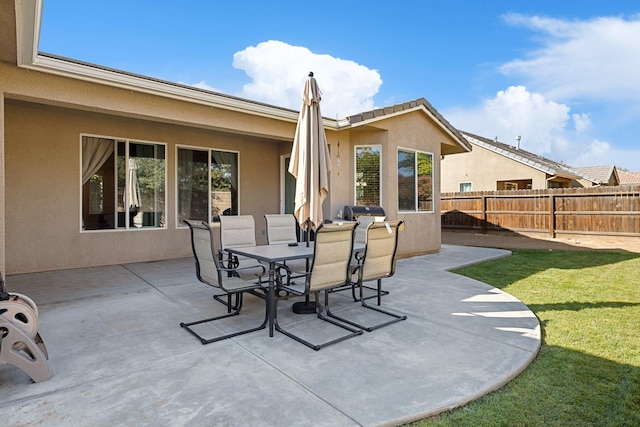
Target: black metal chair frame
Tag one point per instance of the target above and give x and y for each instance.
(360, 269)
(223, 274)
(352, 332)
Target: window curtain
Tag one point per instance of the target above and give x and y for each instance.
(95, 152)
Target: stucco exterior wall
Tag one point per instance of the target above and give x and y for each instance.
(483, 168)
(43, 187)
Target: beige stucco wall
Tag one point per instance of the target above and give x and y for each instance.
(484, 168)
(43, 187)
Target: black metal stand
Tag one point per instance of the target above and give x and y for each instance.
(306, 306)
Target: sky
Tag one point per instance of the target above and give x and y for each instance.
(562, 75)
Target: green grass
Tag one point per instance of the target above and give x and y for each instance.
(587, 372)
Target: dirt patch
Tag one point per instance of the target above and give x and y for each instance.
(510, 240)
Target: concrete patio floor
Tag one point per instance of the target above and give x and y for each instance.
(118, 356)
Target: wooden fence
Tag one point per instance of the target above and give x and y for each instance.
(596, 210)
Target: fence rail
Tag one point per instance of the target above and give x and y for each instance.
(596, 210)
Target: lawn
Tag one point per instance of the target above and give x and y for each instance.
(587, 372)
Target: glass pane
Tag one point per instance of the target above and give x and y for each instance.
(406, 181)
(367, 179)
(193, 185)
(425, 182)
(224, 183)
(98, 183)
(121, 183)
(145, 192)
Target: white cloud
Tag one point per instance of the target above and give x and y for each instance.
(581, 122)
(596, 59)
(544, 126)
(278, 71)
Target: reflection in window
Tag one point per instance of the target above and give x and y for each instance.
(123, 184)
(367, 179)
(415, 181)
(207, 184)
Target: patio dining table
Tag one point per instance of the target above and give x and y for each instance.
(273, 255)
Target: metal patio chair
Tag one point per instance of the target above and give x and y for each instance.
(211, 271)
(282, 229)
(329, 269)
(376, 262)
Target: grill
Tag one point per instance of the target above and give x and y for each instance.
(351, 213)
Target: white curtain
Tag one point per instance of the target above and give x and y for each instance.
(95, 152)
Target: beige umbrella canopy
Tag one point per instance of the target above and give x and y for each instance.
(310, 159)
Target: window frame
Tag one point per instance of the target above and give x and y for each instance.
(416, 176)
(465, 182)
(355, 168)
(127, 141)
(208, 150)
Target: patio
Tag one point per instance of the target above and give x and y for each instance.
(118, 356)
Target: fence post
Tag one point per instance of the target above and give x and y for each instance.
(552, 214)
(484, 213)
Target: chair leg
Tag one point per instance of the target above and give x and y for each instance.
(236, 311)
(352, 332)
(396, 317)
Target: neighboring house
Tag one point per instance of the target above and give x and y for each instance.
(628, 178)
(99, 166)
(493, 165)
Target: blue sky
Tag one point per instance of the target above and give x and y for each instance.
(563, 75)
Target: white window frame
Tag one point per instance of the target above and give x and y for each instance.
(465, 182)
(415, 166)
(355, 168)
(126, 141)
(208, 150)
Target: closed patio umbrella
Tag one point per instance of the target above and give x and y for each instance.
(310, 159)
(310, 164)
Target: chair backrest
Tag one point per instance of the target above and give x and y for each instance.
(281, 228)
(237, 231)
(363, 223)
(331, 256)
(205, 252)
(380, 252)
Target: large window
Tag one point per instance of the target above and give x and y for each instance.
(207, 184)
(367, 178)
(415, 181)
(123, 184)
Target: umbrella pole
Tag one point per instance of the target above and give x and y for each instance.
(306, 307)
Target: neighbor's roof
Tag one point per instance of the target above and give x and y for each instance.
(525, 157)
(626, 178)
(601, 174)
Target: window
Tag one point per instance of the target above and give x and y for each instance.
(466, 187)
(415, 181)
(368, 176)
(123, 184)
(207, 184)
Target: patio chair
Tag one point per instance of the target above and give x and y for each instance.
(282, 229)
(361, 237)
(375, 263)
(238, 231)
(329, 269)
(211, 271)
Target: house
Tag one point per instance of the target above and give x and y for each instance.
(493, 165)
(99, 166)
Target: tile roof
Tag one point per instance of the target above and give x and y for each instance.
(525, 157)
(602, 174)
(628, 177)
(409, 105)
